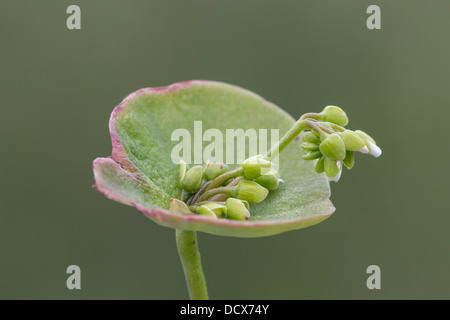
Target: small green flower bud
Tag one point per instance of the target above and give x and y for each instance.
(370, 143)
(255, 166)
(179, 206)
(192, 179)
(212, 170)
(311, 137)
(183, 168)
(349, 160)
(269, 180)
(309, 146)
(320, 165)
(218, 209)
(251, 191)
(246, 204)
(334, 115)
(236, 209)
(333, 147)
(312, 155)
(332, 167)
(336, 178)
(365, 136)
(353, 142)
(205, 211)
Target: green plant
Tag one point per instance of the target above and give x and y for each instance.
(240, 200)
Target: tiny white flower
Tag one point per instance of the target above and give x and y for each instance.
(374, 149)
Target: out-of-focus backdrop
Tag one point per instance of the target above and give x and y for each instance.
(59, 86)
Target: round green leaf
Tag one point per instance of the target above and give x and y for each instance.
(141, 173)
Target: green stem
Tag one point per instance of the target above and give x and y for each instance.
(220, 180)
(310, 115)
(223, 197)
(332, 125)
(318, 127)
(199, 193)
(192, 265)
(213, 192)
(307, 121)
(294, 131)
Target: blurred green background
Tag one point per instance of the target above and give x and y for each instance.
(58, 88)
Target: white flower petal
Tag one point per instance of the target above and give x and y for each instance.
(336, 178)
(374, 150)
(364, 150)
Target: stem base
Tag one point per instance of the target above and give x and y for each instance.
(192, 266)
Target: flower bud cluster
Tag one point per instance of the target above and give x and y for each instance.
(333, 144)
(231, 198)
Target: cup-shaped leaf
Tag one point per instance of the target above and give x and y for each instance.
(148, 128)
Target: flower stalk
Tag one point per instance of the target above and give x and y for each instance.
(192, 265)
